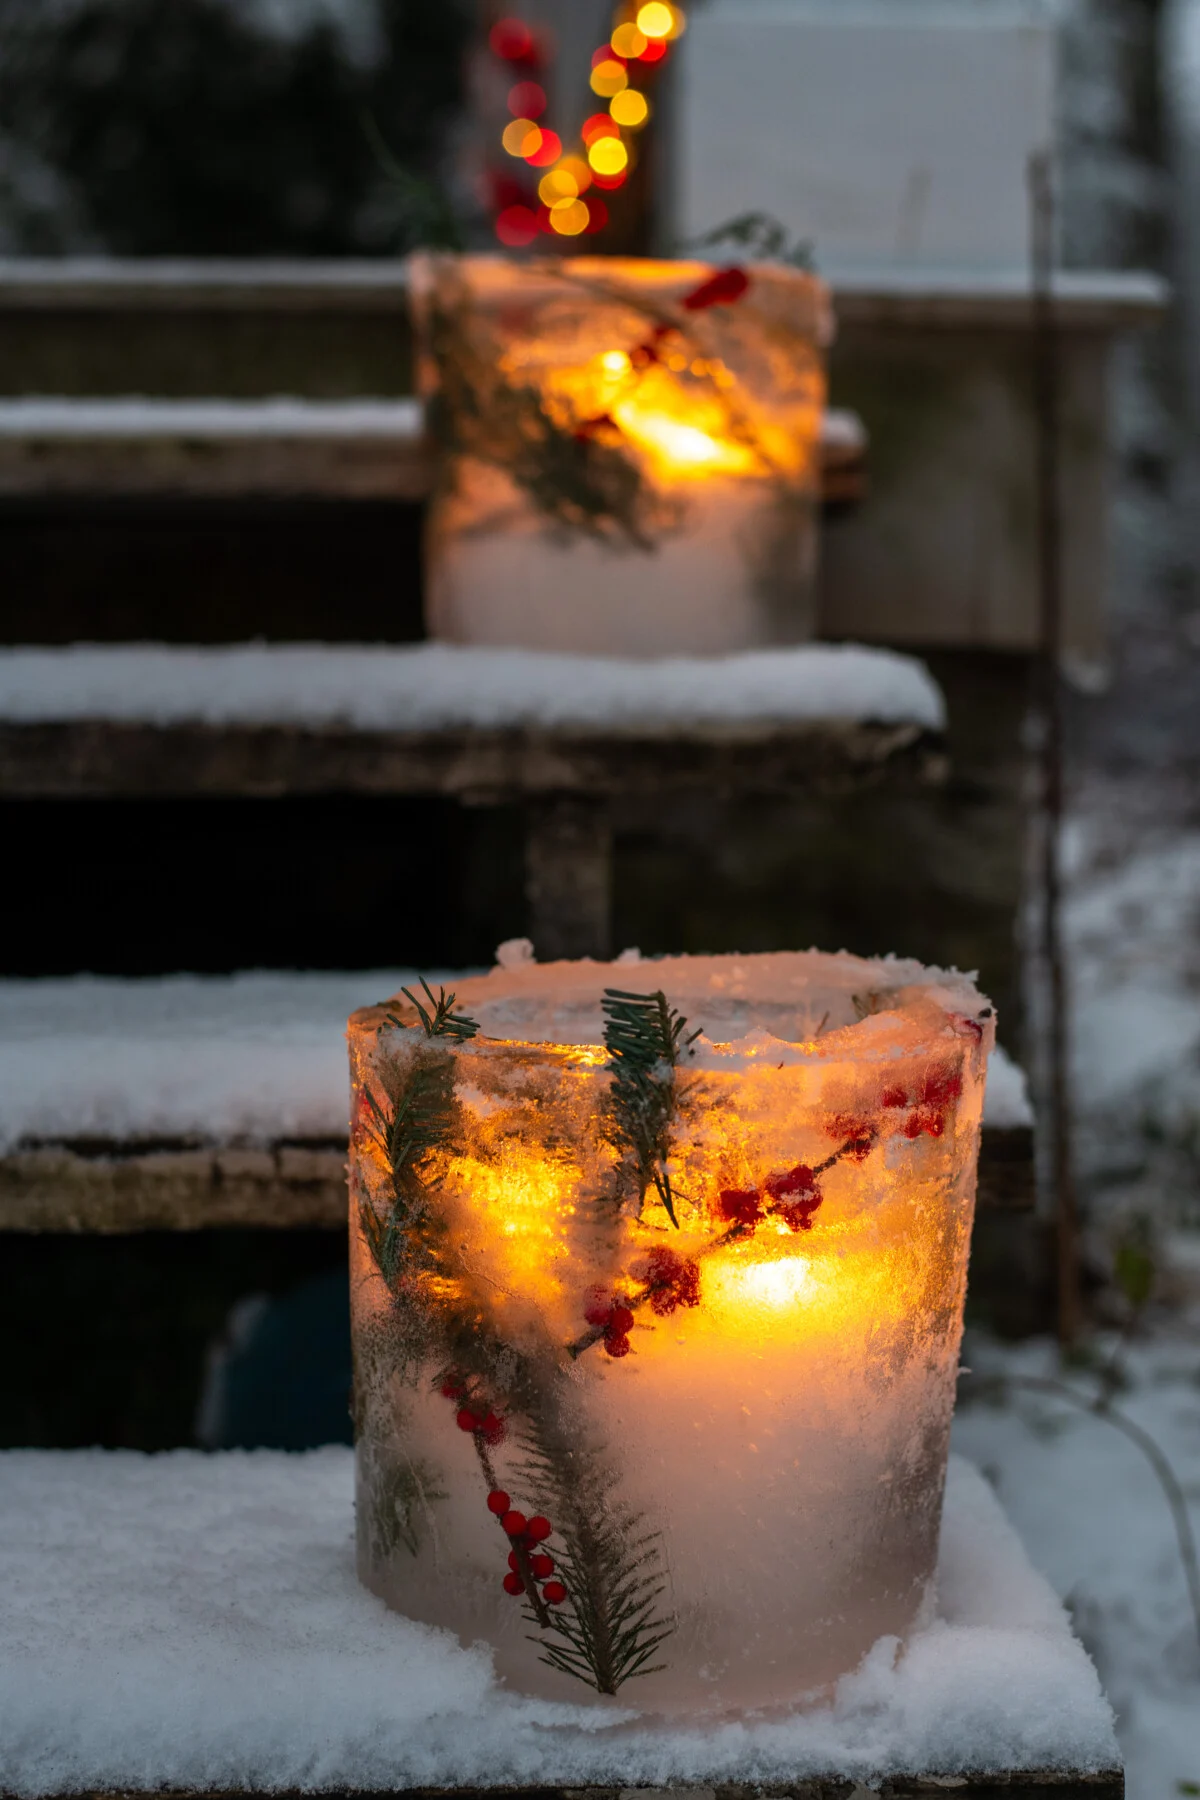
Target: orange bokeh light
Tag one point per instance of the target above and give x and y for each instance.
(522, 137)
(599, 125)
(548, 151)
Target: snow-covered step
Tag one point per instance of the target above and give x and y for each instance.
(222, 1100)
(364, 449)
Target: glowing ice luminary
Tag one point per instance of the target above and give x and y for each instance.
(656, 1323)
(631, 452)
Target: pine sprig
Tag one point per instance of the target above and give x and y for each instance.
(645, 1039)
(610, 1624)
(439, 1019)
(409, 1126)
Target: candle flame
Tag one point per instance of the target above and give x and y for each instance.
(779, 1283)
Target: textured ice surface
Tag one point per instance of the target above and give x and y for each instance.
(254, 1057)
(729, 1397)
(194, 1621)
(435, 686)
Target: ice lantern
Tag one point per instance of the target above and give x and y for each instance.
(656, 1328)
(630, 452)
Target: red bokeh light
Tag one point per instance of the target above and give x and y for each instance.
(527, 100)
(598, 126)
(517, 226)
(547, 152)
(655, 50)
(597, 215)
(507, 190)
(609, 182)
(512, 40)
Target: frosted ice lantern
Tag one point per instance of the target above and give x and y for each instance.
(655, 1369)
(632, 452)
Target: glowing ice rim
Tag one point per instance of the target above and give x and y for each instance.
(772, 1417)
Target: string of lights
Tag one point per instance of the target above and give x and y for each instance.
(571, 184)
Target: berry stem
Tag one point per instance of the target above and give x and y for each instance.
(524, 1569)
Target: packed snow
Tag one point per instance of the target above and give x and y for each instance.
(429, 687)
(1095, 1522)
(195, 1621)
(244, 1058)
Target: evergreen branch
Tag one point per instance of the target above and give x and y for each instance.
(645, 1039)
(610, 1624)
(415, 1120)
(442, 1021)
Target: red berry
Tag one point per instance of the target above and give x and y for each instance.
(468, 1421)
(554, 1593)
(452, 1389)
(893, 1096)
(542, 1565)
(940, 1085)
(498, 1501)
(513, 1585)
(741, 1206)
(795, 1184)
(599, 1306)
(513, 1523)
(616, 1346)
(621, 1322)
(514, 1562)
(721, 289)
(671, 1280)
(539, 1527)
(494, 1429)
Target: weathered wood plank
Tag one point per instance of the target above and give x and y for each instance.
(184, 1185)
(102, 759)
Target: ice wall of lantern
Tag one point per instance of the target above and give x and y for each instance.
(629, 469)
(568, 1407)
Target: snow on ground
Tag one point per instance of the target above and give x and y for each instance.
(1095, 1522)
(430, 686)
(50, 417)
(253, 1057)
(195, 1620)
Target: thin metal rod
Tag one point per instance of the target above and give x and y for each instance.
(1047, 427)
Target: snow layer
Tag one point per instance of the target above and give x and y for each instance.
(430, 686)
(72, 420)
(195, 1621)
(253, 1057)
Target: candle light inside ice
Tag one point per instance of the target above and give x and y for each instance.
(656, 1334)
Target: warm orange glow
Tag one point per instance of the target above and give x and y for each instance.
(608, 156)
(521, 137)
(753, 1285)
(680, 446)
(609, 77)
(569, 217)
(558, 184)
(628, 41)
(578, 169)
(630, 108)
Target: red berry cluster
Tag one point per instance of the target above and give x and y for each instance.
(927, 1103)
(792, 1196)
(671, 1281)
(855, 1135)
(525, 1535)
(475, 1414)
(610, 1314)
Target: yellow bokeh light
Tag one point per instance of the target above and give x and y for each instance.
(608, 156)
(521, 137)
(569, 217)
(609, 77)
(577, 168)
(657, 20)
(628, 41)
(557, 184)
(629, 108)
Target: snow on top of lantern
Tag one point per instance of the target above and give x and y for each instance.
(194, 1621)
(432, 687)
(790, 1006)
